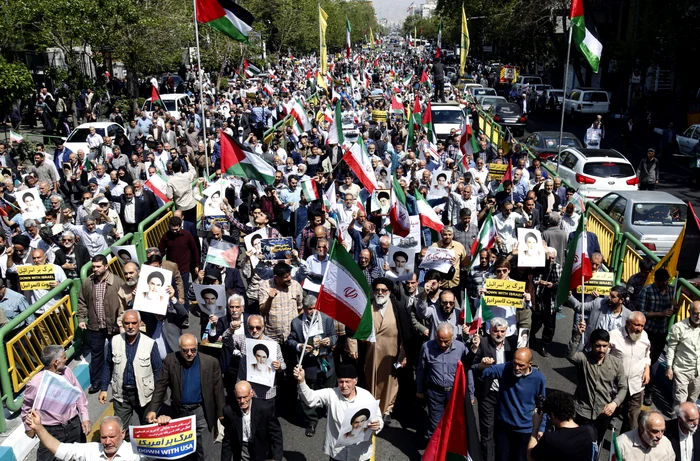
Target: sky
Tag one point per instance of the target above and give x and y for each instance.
(393, 10)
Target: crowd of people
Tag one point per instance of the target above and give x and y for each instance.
(158, 367)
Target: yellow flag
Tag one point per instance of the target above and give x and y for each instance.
(670, 261)
(464, 44)
(321, 82)
(371, 38)
(322, 25)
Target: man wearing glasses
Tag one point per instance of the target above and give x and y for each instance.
(195, 390)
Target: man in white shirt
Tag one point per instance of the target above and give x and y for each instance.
(337, 401)
(346, 211)
(647, 442)
(505, 224)
(94, 140)
(631, 345)
(480, 172)
(110, 447)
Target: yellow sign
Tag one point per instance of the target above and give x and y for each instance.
(379, 115)
(601, 283)
(35, 277)
(497, 170)
(507, 293)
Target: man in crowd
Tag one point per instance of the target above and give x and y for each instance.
(682, 432)
(647, 442)
(682, 361)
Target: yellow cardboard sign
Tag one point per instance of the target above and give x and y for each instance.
(507, 293)
(35, 277)
(497, 170)
(379, 115)
(601, 283)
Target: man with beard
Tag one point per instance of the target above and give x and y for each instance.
(336, 401)
(682, 432)
(519, 386)
(631, 345)
(647, 442)
(599, 377)
(461, 258)
(604, 312)
(66, 427)
(132, 385)
(71, 255)
(444, 312)
(496, 348)
(179, 247)
(682, 357)
(369, 266)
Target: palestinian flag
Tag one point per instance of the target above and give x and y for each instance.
(398, 214)
(427, 123)
(249, 69)
(348, 46)
(586, 42)
(335, 132)
(155, 97)
(309, 78)
(237, 160)
(16, 137)
(455, 437)
(486, 239)
(408, 79)
(465, 137)
(222, 253)
(299, 114)
(417, 122)
(438, 48)
(156, 184)
(358, 160)
(344, 294)
(329, 198)
(226, 17)
(424, 80)
(577, 267)
(428, 217)
(396, 105)
(310, 190)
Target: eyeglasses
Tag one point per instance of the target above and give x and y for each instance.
(448, 303)
(255, 328)
(381, 290)
(130, 323)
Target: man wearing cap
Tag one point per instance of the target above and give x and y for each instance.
(336, 401)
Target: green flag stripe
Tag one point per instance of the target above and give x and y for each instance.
(224, 25)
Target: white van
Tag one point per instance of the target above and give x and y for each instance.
(174, 104)
(587, 101)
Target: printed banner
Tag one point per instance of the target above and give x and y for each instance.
(175, 440)
(601, 283)
(35, 277)
(439, 259)
(497, 170)
(505, 293)
(379, 115)
(277, 248)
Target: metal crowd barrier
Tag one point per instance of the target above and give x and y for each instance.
(114, 265)
(152, 229)
(607, 231)
(631, 253)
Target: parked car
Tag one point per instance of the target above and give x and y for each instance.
(526, 80)
(446, 115)
(509, 115)
(487, 101)
(77, 139)
(478, 93)
(545, 144)
(654, 218)
(540, 88)
(688, 140)
(587, 101)
(595, 172)
(174, 104)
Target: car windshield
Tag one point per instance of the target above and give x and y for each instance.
(508, 109)
(447, 116)
(169, 105)
(659, 214)
(608, 169)
(566, 142)
(81, 134)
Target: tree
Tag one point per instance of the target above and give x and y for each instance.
(15, 84)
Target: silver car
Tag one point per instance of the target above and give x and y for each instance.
(654, 218)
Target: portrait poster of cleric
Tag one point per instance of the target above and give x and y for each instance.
(358, 415)
(125, 253)
(150, 291)
(530, 248)
(31, 204)
(211, 299)
(259, 357)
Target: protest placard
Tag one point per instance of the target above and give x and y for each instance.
(497, 170)
(439, 259)
(601, 283)
(277, 248)
(174, 440)
(35, 277)
(506, 293)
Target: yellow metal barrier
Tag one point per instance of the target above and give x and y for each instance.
(630, 263)
(115, 267)
(55, 326)
(606, 235)
(684, 303)
(200, 210)
(153, 234)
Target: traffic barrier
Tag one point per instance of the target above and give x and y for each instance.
(606, 230)
(631, 253)
(114, 265)
(685, 295)
(152, 229)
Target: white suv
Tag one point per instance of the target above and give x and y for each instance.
(587, 101)
(595, 172)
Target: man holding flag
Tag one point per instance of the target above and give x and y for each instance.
(57, 394)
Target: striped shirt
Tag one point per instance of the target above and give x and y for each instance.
(651, 300)
(99, 290)
(283, 308)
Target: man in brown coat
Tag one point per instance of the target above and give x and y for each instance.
(99, 311)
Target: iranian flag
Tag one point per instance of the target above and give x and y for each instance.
(427, 123)
(227, 17)
(156, 184)
(335, 132)
(486, 239)
(398, 216)
(507, 176)
(329, 197)
(310, 190)
(586, 42)
(268, 90)
(299, 114)
(424, 80)
(438, 48)
(358, 160)
(348, 29)
(465, 138)
(344, 294)
(428, 217)
(455, 437)
(408, 79)
(615, 454)
(16, 137)
(396, 105)
(483, 313)
(237, 160)
(577, 267)
(250, 69)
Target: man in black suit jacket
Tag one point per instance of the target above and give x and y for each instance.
(192, 393)
(251, 429)
(489, 347)
(171, 324)
(685, 424)
(318, 362)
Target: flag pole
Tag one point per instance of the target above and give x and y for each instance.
(306, 339)
(563, 100)
(201, 88)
